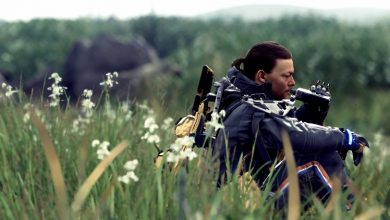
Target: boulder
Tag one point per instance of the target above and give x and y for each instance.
(88, 62)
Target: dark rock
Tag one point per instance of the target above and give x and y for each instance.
(89, 61)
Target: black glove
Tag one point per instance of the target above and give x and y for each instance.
(316, 103)
(355, 143)
(321, 89)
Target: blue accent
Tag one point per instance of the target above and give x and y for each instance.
(349, 137)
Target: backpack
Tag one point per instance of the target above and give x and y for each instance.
(194, 124)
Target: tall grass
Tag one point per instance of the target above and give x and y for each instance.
(30, 188)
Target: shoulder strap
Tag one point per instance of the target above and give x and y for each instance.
(232, 107)
(260, 149)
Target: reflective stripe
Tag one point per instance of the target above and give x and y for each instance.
(349, 137)
(301, 170)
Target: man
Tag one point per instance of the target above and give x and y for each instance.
(271, 63)
(253, 129)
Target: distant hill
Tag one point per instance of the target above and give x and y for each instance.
(259, 12)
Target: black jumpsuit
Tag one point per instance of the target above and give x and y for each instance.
(255, 135)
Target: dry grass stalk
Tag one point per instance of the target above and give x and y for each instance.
(294, 202)
(83, 158)
(54, 166)
(371, 213)
(334, 199)
(86, 187)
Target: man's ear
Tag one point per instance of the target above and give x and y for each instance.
(260, 77)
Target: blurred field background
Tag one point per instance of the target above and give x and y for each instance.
(353, 57)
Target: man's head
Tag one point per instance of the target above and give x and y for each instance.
(269, 62)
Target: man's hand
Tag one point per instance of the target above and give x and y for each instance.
(355, 143)
(358, 154)
(321, 88)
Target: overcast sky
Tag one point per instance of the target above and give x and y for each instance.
(12, 10)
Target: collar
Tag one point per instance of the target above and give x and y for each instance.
(248, 86)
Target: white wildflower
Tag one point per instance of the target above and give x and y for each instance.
(127, 177)
(151, 138)
(95, 143)
(173, 157)
(182, 142)
(8, 90)
(124, 179)
(146, 108)
(150, 124)
(154, 138)
(222, 113)
(129, 115)
(188, 153)
(102, 150)
(57, 79)
(185, 141)
(56, 90)
(87, 104)
(214, 124)
(130, 175)
(131, 165)
(110, 82)
(75, 126)
(102, 153)
(87, 93)
(80, 124)
(181, 149)
(167, 123)
(125, 109)
(109, 112)
(26, 117)
(198, 216)
(27, 106)
(143, 106)
(104, 144)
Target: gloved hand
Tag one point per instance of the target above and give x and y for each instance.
(321, 89)
(355, 143)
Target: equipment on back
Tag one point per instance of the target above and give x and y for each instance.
(200, 109)
(193, 125)
(205, 104)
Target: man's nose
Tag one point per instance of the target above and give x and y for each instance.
(291, 82)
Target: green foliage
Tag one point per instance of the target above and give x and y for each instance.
(167, 34)
(26, 188)
(28, 48)
(353, 58)
(350, 56)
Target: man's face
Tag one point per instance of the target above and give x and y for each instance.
(282, 79)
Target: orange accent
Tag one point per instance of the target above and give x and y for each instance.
(306, 166)
(198, 116)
